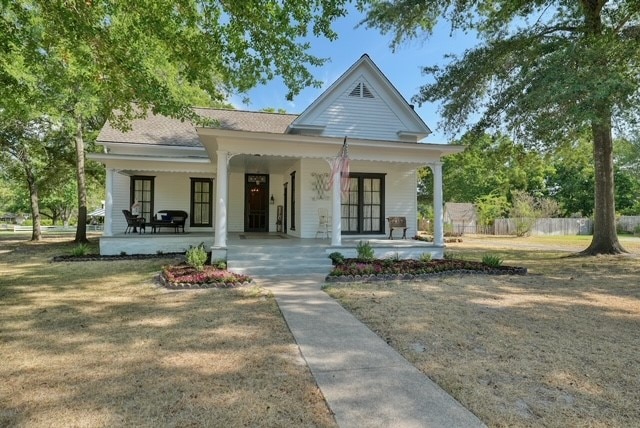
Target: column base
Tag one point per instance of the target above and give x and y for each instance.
(218, 254)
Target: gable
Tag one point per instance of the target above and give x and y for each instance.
(362, 103)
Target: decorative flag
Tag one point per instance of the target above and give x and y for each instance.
(341, 164)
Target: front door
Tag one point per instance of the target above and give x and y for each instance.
(256, 205)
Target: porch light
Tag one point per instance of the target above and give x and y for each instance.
(272, 201)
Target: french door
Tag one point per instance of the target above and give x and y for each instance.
(363, 204)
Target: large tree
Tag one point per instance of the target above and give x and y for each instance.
(544, 69)
(119, 59)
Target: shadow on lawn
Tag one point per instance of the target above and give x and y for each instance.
(546, 349)
(100, 344)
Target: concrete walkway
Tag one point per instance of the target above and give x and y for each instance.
(365, 382)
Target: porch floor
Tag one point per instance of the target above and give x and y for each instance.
(152, 243)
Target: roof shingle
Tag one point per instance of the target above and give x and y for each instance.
(162, 130)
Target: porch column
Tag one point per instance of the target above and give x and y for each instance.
(108, 204)
(221, 200)
(336, 214)
(438, 220)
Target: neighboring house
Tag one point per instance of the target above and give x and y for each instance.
(461, 217)
(266, 172)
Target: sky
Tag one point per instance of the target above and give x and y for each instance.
(402, 67)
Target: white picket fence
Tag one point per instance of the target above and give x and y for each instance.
(16, 228)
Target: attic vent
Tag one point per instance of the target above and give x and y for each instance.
(361, 91)
(366, 93)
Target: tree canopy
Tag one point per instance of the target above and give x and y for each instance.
(546, 70)
(76, 61)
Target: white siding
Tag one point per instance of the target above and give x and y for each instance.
(275, 189)
(309, 201)
(172, 191)
(371, 118)
(400, 193)
(235, 218)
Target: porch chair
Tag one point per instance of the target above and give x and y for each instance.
(324, 223)
(133, 222)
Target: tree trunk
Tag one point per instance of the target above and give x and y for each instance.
(81, 230)
(605, 236)
(36, 234)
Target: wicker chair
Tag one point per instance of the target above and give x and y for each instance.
(133, 222)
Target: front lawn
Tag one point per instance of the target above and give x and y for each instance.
(557, 347)
(101, 344)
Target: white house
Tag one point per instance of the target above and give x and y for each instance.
(266, 172)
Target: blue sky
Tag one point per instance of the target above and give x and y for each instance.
(402, 67)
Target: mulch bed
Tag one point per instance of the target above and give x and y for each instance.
(354, 270)
(183, 276)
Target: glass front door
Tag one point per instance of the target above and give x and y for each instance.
(256, 206)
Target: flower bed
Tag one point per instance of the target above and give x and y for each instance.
(390, 269)
(185, 276)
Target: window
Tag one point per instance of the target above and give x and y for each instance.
(143, 192)
(363, 205)
(201, 202)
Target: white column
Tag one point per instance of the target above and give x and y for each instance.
(108, 204)
(438, 220)
(221, 200)
(336, 215)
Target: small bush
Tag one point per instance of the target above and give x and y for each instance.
(220, 264)
(491, 260)
(80, 250)
(336, 258)
(452, 256)
(123, 253)
(425, 257)
(396, 257)
(197, 256)
(365, 250)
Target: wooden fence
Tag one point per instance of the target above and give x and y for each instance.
(542, 226)
(628, 223)
(545, 226)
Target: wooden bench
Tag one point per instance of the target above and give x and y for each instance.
(397, 223)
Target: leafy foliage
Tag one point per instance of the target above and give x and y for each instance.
(545, 71)
(80, 250)
(526, 209)
(490, 207)
(105, 59)
(425, 257)
(492, 260)
(197, 257)
(336, 257)
(365, 250)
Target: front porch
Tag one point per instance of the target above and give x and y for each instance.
(154, 243)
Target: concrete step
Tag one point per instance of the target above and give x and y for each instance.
(274, 261)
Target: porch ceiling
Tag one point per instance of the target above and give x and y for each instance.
(261, 164)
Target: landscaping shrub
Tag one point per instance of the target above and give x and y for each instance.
(336, 258)
(425, 257)
(365, 251)
(80, 250)
(197, 257)
(491, 260)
